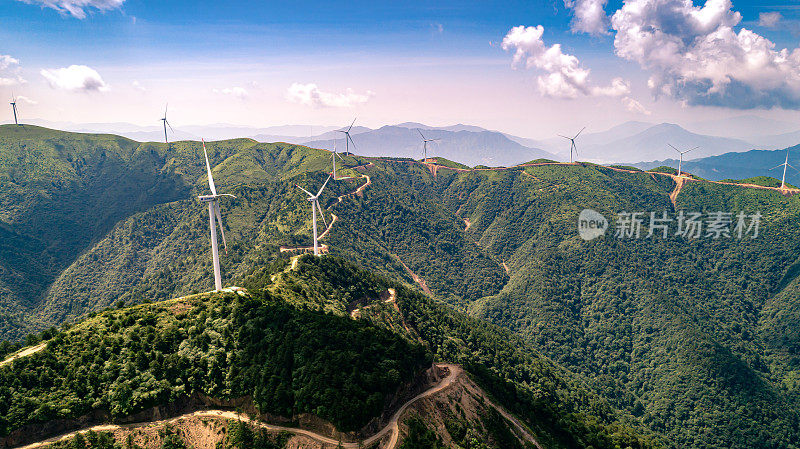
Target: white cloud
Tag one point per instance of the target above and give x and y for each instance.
(634, 106)
(238, 92)
(588, 16)
(564, 76)
(769, 19)
(75, 78)
(77, 8)
(10, 71)
(138, 86)
(310, 95)
(7, 61)
(693, 54)
(24, 99)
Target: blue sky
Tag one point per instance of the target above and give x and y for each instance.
(273, 63)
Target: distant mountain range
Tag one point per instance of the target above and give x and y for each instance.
(626, 143)
(743, 165)
(469, 147)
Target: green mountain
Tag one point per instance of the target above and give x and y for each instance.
(691, 339)
(288, 347)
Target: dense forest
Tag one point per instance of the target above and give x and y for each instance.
(693, 339)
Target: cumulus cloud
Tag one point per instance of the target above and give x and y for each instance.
(138, 86)
(9, 71)
(563, 76)
(77, 8)
(238, 92)
(769, 19)
(694, 55)
(75, 78)
(588, 16)
(634, 106)
(310, 95)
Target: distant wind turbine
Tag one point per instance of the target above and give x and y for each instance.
(213, 211)
(425, 145)
(14, 107)
(572, 146)
(680, 163)
(166, 123)
(784, 165)
(347, 139)
(314, 199)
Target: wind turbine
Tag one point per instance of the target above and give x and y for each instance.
(314, 199)
(784, 165)
(680, 163)
(213, 211)
(425, 145)
(14, 107)
(347, 139)
(166, 123)
(572, 146)
(333, 156)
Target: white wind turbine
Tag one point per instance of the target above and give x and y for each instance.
(14, 107)
(572, 146)
(784, 165)
(166, 123)
(213, 211)
(347, 139)
(314, 199)
(425, 145)
(334, 156)
(680, 162)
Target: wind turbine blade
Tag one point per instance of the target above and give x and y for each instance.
(420, 133)
(575, 147)
(690, 149)
(351, 125)
(773, 168)
(351, 141)
(579, 133)
(340, 156)
(568, 138)
(304, 190)
(319, 208)
(673, 147)
(170, 126)
(219, 221)
(323, 186)
(208, 169)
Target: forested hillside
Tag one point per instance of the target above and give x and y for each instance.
(277, 346)
(693, 338)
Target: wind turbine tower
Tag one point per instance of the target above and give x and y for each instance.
(213, 212)
(314, 199)
(572, 146)
(334, 156)
(14, 108)
(166, 123)
(680, 162)
(425, 145)
(347, 139)
(784, 165)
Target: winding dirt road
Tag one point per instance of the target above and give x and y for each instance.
(24, 353)
(392, 426)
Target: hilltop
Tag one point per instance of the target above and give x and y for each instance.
(289, 353)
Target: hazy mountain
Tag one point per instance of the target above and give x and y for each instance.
(737, 165)
(468, 147)
(559, 145)
(652, 143)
